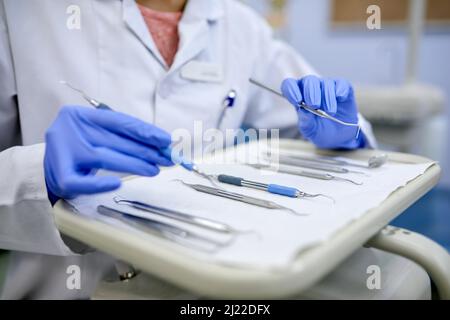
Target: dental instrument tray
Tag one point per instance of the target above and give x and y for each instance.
(264, 271)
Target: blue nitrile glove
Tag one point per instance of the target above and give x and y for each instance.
(83, 139)
(334, 96)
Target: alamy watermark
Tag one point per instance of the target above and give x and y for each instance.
(373, 22)
(373, 281)
(73, 281)
(208, 146)
(73, 21)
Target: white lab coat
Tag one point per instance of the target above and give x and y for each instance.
(113, 58)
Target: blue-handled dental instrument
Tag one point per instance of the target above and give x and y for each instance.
(271, 188)
(167, 152)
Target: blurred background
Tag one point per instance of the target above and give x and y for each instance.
(401, 72)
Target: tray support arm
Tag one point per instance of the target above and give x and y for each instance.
(425, 252)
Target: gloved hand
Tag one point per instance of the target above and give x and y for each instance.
(334, 96)
(83, 139)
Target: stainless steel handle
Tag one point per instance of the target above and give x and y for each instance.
(235, 196)
(161, 229)
(204, 189)
(310, 165)
(308, 174)
(180, 216)
(139, 223)
(319, 159)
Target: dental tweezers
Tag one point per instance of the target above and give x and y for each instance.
(240, 197)
(164, 230)
(176, 215)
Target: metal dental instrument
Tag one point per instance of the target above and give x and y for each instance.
(240, 197)
(373, 162)
(176, 215)
(167, 152)
(299, 172)
(93, 102)
(317, 112)
(164, 230)
(271, 188)
(317, 166)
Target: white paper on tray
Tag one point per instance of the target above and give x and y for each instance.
(280, 235)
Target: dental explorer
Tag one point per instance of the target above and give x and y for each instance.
(170, 232)
(240, 197)
(177, 215)
(317, 112)
(298, 172)
(167, 152)
(316, 166)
